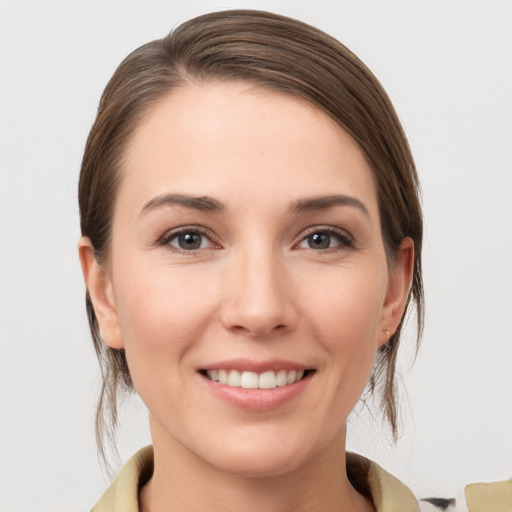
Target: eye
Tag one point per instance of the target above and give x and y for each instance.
(187, 240)
(324, 239)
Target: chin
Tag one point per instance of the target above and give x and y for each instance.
(268, 456)
(260, 465)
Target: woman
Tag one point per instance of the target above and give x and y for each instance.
(251, 243)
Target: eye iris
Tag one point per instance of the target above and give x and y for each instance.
(189, 241)
(319, 241)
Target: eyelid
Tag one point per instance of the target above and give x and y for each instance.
(348, 240)
(170, 234)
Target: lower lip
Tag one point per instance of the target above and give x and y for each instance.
(257, 400)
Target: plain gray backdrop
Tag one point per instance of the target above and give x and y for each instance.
(448, 69)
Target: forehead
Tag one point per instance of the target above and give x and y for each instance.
(235, 140)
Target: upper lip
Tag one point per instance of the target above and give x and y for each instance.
(256, 366)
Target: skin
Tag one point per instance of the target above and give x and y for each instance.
(258, 288)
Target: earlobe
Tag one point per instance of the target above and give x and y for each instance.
(399, 285)
(99, 286)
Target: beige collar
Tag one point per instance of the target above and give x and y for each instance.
(387, 492)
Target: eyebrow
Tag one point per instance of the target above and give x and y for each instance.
(310, 204)
(209, 204)
(201, 203)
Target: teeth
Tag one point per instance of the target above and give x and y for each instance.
(253, 380)
(267, 380)
(281, 378)
(249, 380)
(233, 379)
(223, 376)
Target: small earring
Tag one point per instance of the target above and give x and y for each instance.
(387, 332)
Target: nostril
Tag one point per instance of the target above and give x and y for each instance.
(258, 330)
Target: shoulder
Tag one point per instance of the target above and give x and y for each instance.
(386, 491)
(123, 493)
(389, 494)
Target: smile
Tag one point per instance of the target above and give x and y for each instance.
(253, 380)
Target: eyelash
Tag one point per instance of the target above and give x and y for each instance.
(168, 237)
(343, 238)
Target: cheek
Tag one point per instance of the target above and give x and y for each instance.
(162, 315)
(347, 304)
(345, 318)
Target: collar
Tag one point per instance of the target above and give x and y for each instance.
(387, 492)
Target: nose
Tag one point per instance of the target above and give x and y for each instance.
(259, 298)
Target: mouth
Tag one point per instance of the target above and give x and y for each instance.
(257, 386)
(253, 380)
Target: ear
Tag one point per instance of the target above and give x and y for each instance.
(99, 286)
(399, 284)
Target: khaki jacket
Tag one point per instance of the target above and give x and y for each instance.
(386, 491)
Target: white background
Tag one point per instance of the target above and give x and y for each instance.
(448, 68)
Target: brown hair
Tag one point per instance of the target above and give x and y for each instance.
(281, 54)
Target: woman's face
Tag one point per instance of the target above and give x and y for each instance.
(246, 252)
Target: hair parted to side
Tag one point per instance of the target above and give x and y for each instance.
(280, 54)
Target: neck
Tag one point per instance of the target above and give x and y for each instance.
(185, 482)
